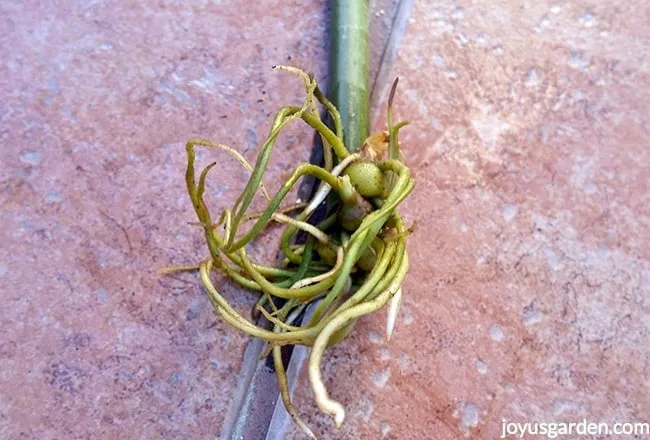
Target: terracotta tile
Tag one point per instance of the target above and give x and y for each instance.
(528, 294)
(98, 100)
(527, 299)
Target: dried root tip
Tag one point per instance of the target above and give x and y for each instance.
(391, 95)
(393, 309)
(375, 146)
(177, 269)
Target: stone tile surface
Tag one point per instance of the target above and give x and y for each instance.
(528, 297)
(98, 99)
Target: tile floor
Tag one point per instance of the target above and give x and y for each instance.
(528, 297)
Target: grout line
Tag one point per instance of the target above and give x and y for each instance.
(382, 79)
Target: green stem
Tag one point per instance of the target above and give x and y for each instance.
(349, 69)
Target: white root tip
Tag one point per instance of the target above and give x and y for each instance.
(339, 416)
(331, 407)
(393, 309)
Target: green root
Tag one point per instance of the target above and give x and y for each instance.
(352, 263)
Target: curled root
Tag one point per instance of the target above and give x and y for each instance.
(351, 259)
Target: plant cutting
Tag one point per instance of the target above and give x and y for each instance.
(349, 261)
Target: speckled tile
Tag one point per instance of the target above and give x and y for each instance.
(528, 296)
(98, 99)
